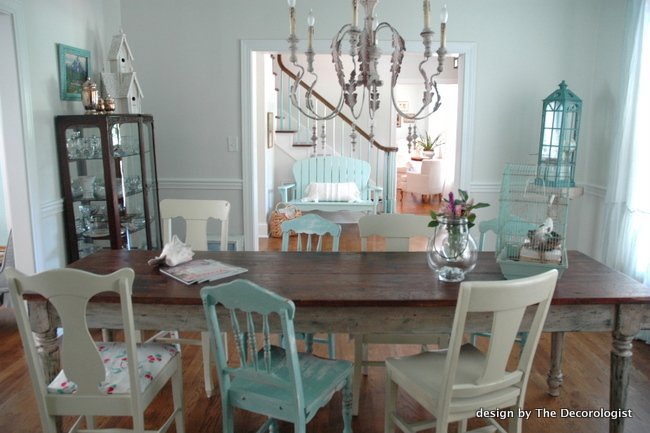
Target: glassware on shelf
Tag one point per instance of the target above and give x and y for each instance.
(87, 186)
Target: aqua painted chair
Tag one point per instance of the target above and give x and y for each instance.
(196, 214)
(277, 382)
(307, 228)
(453, 384)
(397, 230)
(96, 378)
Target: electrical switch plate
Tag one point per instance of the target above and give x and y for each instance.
(233, 144)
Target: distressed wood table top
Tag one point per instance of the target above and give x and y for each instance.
(357, 279)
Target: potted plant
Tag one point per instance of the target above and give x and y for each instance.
(429, 144)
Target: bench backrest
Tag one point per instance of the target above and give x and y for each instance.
(331, 169)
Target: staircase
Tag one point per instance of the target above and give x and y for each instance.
(301, 137)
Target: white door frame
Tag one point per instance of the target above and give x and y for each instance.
(467, 85)
(20, 180)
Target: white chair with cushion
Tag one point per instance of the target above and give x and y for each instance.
(397, 230)
(453, 384)
(196, 214)
(429, 181)
(279, 383)
(97, 378)
(312, 226)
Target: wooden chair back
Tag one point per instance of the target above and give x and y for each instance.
(396, 229)
(196, 214)
(251, 309)
(310, 225)
(507, 301)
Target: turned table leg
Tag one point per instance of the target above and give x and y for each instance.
(45, 336)
(555, 376)
(47, 343)
(628, 318)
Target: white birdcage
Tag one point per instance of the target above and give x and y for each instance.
(532, 223)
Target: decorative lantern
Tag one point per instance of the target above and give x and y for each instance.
(89, 96)
(558, 145)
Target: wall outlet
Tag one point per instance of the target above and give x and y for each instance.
(233, 144)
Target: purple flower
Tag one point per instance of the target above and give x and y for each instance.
(452, 205)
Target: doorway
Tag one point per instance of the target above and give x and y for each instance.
(254, 175)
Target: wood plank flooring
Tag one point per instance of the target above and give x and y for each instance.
(586, 382)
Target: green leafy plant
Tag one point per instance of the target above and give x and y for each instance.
(427, 143)
(458, 207)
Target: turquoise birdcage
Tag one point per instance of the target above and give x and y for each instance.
(533, 218)
(558, 145)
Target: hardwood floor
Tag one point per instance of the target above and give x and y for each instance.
(585, 368)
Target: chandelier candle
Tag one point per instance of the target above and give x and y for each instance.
(427, 12)
(443, 26)
(310, 22)
(292, 17)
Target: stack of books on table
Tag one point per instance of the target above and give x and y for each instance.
(201, 271)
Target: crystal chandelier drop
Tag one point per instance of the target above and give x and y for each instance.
(364, 54)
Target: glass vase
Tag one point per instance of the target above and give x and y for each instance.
(451, 251)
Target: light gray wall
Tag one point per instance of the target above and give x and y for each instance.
(187, 57)
(86, 24)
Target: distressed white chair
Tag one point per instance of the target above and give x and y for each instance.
(429, 181)
(196, 214)
(453, 384)
(8, 261)
(312, 226)
(397, 230)
(279, 383)
(492, 225)
(97, 378)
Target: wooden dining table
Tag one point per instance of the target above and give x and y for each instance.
(369, 292)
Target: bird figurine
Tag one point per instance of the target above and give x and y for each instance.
(544, 238)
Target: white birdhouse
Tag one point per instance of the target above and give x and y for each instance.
(121, 83)
(119, 55)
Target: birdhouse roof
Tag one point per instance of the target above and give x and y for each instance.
(129, 79)
(119, 42)
(110, 83)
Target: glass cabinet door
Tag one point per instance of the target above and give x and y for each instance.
(109, 183)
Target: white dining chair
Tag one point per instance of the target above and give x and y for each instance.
(196, 214)
(453, 384)
(97, 378)
(484, 227)
(398, 230)
(310, 227)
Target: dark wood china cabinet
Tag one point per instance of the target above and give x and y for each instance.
(108, 178)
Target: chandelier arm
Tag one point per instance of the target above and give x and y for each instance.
(349, 89)
(417, 116)
(311, 113)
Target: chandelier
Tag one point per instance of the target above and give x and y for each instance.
(364, 54)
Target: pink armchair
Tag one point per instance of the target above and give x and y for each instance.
(429, 181)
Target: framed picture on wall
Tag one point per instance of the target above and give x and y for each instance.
(407, 120)
(403, 105)
(74, 68)
(399, 121)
